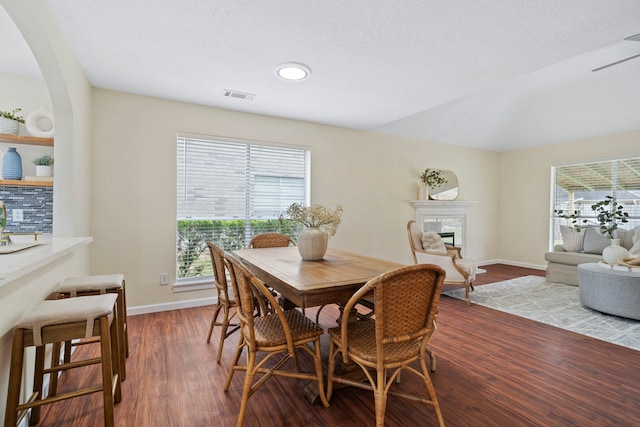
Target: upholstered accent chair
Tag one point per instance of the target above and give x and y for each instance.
(460, 271)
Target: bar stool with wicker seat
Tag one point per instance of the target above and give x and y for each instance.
(60, 320)
(226, 301)
(405, 307)
(97, 285)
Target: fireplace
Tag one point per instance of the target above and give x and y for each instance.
(446, 217)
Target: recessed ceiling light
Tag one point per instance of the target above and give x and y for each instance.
(293, 71)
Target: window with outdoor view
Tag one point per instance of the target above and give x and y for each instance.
(230, 190)
(579, 186)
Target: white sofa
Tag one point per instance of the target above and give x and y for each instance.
(562, 265)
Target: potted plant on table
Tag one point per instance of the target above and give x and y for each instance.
(608, 214)
(319, 223)
(10, 121)
(43, 165)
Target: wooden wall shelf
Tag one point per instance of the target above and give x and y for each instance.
(29, 140)
(23, 183)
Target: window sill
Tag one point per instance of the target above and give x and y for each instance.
(192, 285)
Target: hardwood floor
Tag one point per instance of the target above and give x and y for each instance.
(493, 369)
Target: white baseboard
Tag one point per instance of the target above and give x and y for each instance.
(175, 305)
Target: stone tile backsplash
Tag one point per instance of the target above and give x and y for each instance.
(36, 204)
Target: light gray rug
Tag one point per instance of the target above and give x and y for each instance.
(553, 304)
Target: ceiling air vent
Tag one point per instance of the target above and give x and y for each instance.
(239, 95)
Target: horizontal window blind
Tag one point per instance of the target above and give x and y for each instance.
(578, 186)
(230, 190)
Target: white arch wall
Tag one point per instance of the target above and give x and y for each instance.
(71, 98)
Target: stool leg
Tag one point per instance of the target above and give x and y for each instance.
(55, 362)
(67, 351)
(38, 380)
(107, 371)
(124, 316)
(115, 357)
(15, 379)
(122, 331)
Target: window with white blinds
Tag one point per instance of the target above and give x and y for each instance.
(578, 186)
(230, 190)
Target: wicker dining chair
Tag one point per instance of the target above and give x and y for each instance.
(271, 240)
(227, 304)
(405, 305)
(280, 333)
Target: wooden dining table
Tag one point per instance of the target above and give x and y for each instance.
(334, 279)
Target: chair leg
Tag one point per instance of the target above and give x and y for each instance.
(234, 363)
(431, 391)
(379, 388)
(330, 370)
(432, 359)
(467, 285)
(214, 320)
(318, 363)
(223, 331)
(246, 389)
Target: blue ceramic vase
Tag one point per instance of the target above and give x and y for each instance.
(12, 164)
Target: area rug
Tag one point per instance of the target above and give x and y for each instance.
(554, 304)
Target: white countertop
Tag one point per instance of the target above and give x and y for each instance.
(17, 264)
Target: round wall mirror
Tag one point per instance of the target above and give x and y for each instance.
(448, 190)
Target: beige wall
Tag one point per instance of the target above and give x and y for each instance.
(525, 190)
(372, 175)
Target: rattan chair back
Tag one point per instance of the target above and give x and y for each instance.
(226, 302)
(405, 306)
(271, 240)
(219, 274)
(269, 334)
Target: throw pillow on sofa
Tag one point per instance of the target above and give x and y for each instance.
(594, 241)
(572, 240)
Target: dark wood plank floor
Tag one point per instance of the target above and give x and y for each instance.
(493, 369)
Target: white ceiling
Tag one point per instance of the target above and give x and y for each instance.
(499, 75)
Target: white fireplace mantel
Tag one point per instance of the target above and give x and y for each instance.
(443, 212)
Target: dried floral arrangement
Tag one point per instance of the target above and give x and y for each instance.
(315, 215)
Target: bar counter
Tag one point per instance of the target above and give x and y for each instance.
(16, 265)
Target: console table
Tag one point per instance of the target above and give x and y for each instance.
(610, 291)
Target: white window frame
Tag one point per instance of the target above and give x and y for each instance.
(216, 187)
(620, 180)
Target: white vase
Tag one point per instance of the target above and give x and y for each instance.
(312, 243)
(43, 170)
(423, 191)
(39, 123)
(612, 253)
